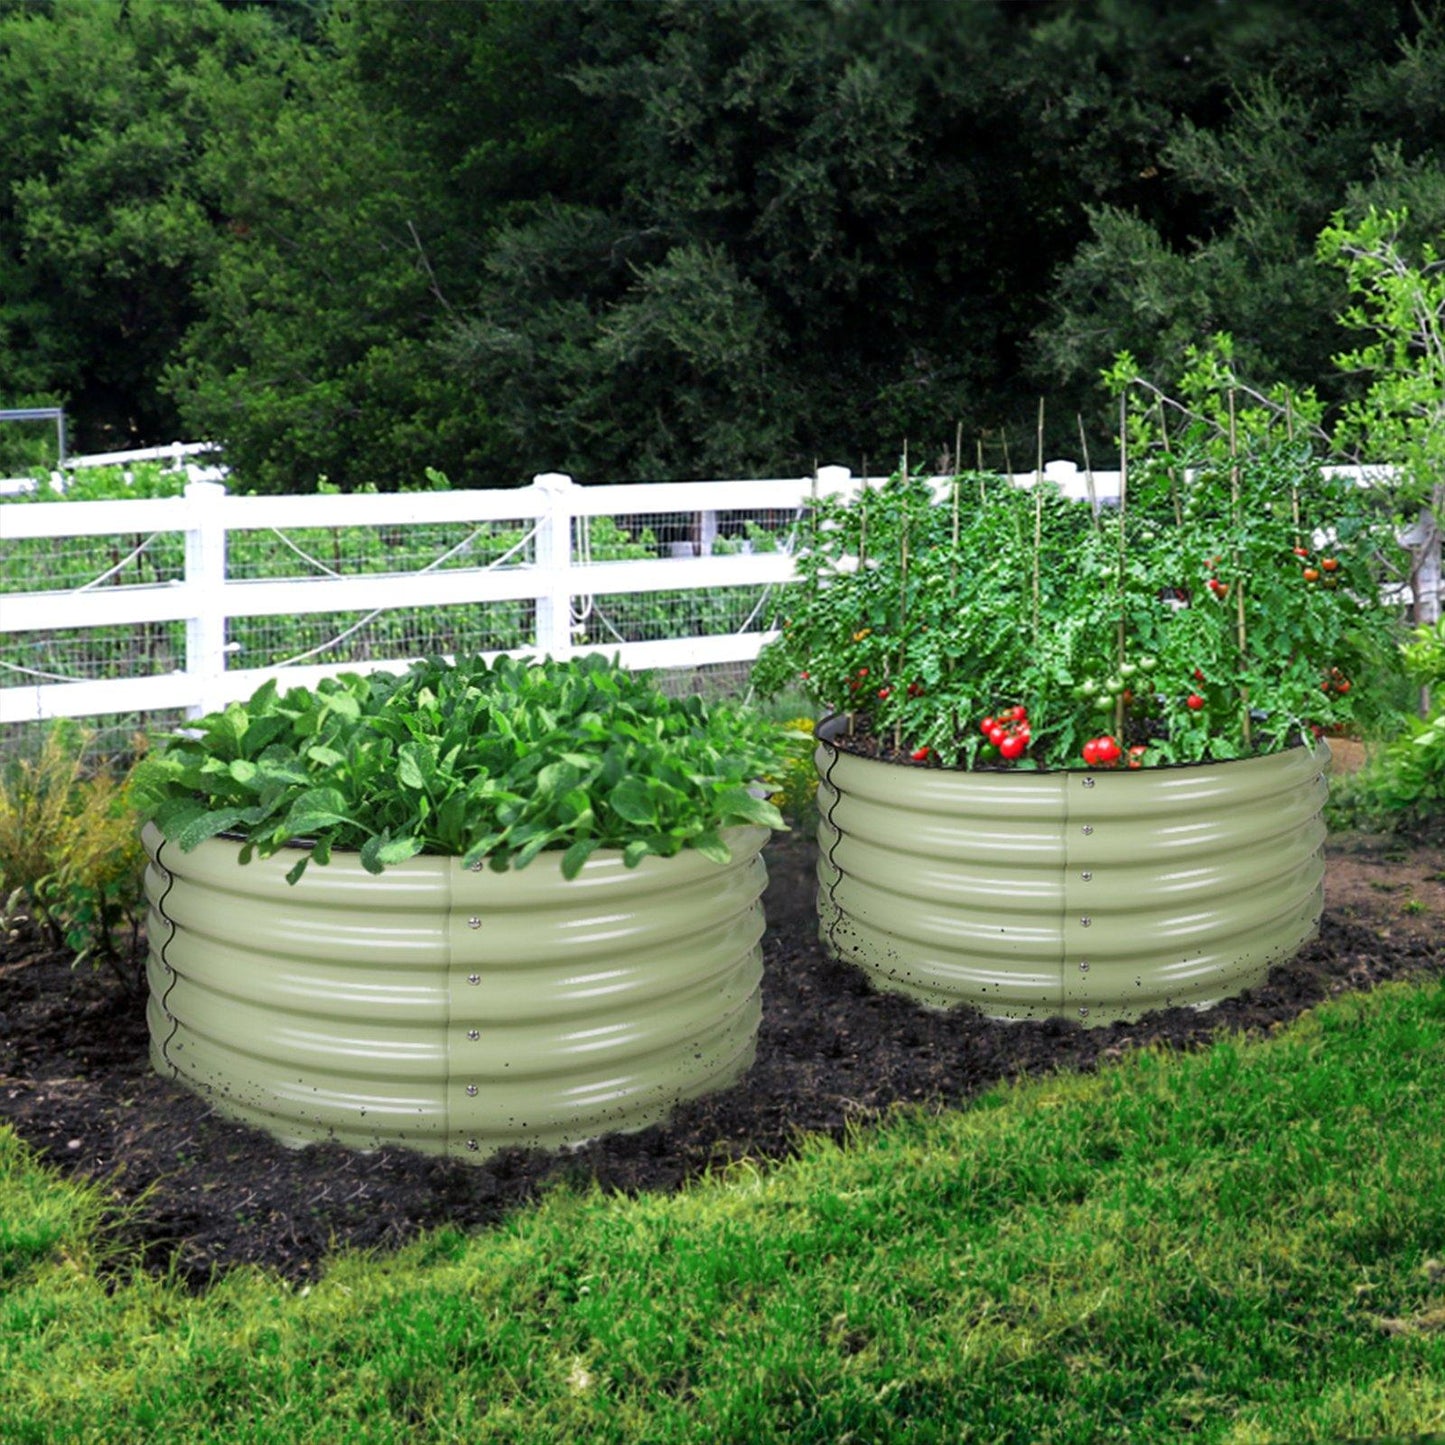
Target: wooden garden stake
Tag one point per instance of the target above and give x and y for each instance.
(902, 620)
(1240, 637)
(1038, 517)
(1123, 503)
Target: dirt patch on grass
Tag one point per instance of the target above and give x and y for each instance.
(196, 1192)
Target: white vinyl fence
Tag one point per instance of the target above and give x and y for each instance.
(186, 603)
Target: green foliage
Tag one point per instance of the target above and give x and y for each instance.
(69, 846)
(1242, 184)
(669, 239)
(1424, 654)
(1186, 624)
(472, 760)
(107, 222)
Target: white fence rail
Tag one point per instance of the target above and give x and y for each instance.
(533, 556)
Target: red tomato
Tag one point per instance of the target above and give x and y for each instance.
(1194, 702)
(1091, 753)
(1330, 564)
(1012, 747)
(1311, 574)
(919, 755)
(1343, 686)
(1106, 750)
(987, 725)
(996, 735)
(884, 692)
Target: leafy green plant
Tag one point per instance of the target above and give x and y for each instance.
(1225, 607)
(1424, 654)
(69, 849)
(497, 761)
(1399, 302)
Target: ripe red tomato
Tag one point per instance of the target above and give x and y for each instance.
(1330, 564)
(1311, 574)
(1106, 750)
(885, 692)
(996, 734)
(1091, 752)
(1301, 551)
(919, 754)
(1343, 686)
(987, 725)
(1194, 702)
(1012, 747)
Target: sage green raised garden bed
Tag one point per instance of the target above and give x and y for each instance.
(1091, 895)
(450, 1010)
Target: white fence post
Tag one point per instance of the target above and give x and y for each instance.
(205, 586)
(554, 562)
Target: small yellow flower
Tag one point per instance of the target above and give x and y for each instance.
(859, 636)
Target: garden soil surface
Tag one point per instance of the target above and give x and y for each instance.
(192, 1192)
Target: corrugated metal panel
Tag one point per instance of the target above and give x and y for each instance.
(453, 1011)
(1090, 895)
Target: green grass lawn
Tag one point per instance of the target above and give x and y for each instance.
(1247, 1244)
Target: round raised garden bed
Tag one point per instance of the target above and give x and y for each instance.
(450, 1010)
(1091, 895)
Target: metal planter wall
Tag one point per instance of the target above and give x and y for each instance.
(453, 1011)
(1088, 895)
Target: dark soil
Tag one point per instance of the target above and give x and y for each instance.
(200, 1194)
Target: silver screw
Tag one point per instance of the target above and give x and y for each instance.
(474, 923)
(472, 1090)
(474, 978)
(1088, 828)
(1083, 965)
(1088, 782)
(1087, 876)
(474, 1033)
(1085, 922)
(472, 1145)
(1083, 1013)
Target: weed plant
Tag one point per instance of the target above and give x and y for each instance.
(70, 850)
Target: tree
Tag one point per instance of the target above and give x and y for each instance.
(1343, 104)
(1399, 288)
(104, 226)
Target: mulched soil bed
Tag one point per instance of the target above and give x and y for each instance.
(198, 1194)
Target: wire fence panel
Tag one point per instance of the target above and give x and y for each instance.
(206, 594)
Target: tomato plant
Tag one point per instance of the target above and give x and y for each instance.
(999, 625)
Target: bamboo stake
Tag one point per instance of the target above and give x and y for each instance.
(902, 621)
(1038, 517)
(1240, 638)
(982, 496)
(1123, 503)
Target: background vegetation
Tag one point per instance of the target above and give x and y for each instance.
(650, 238)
